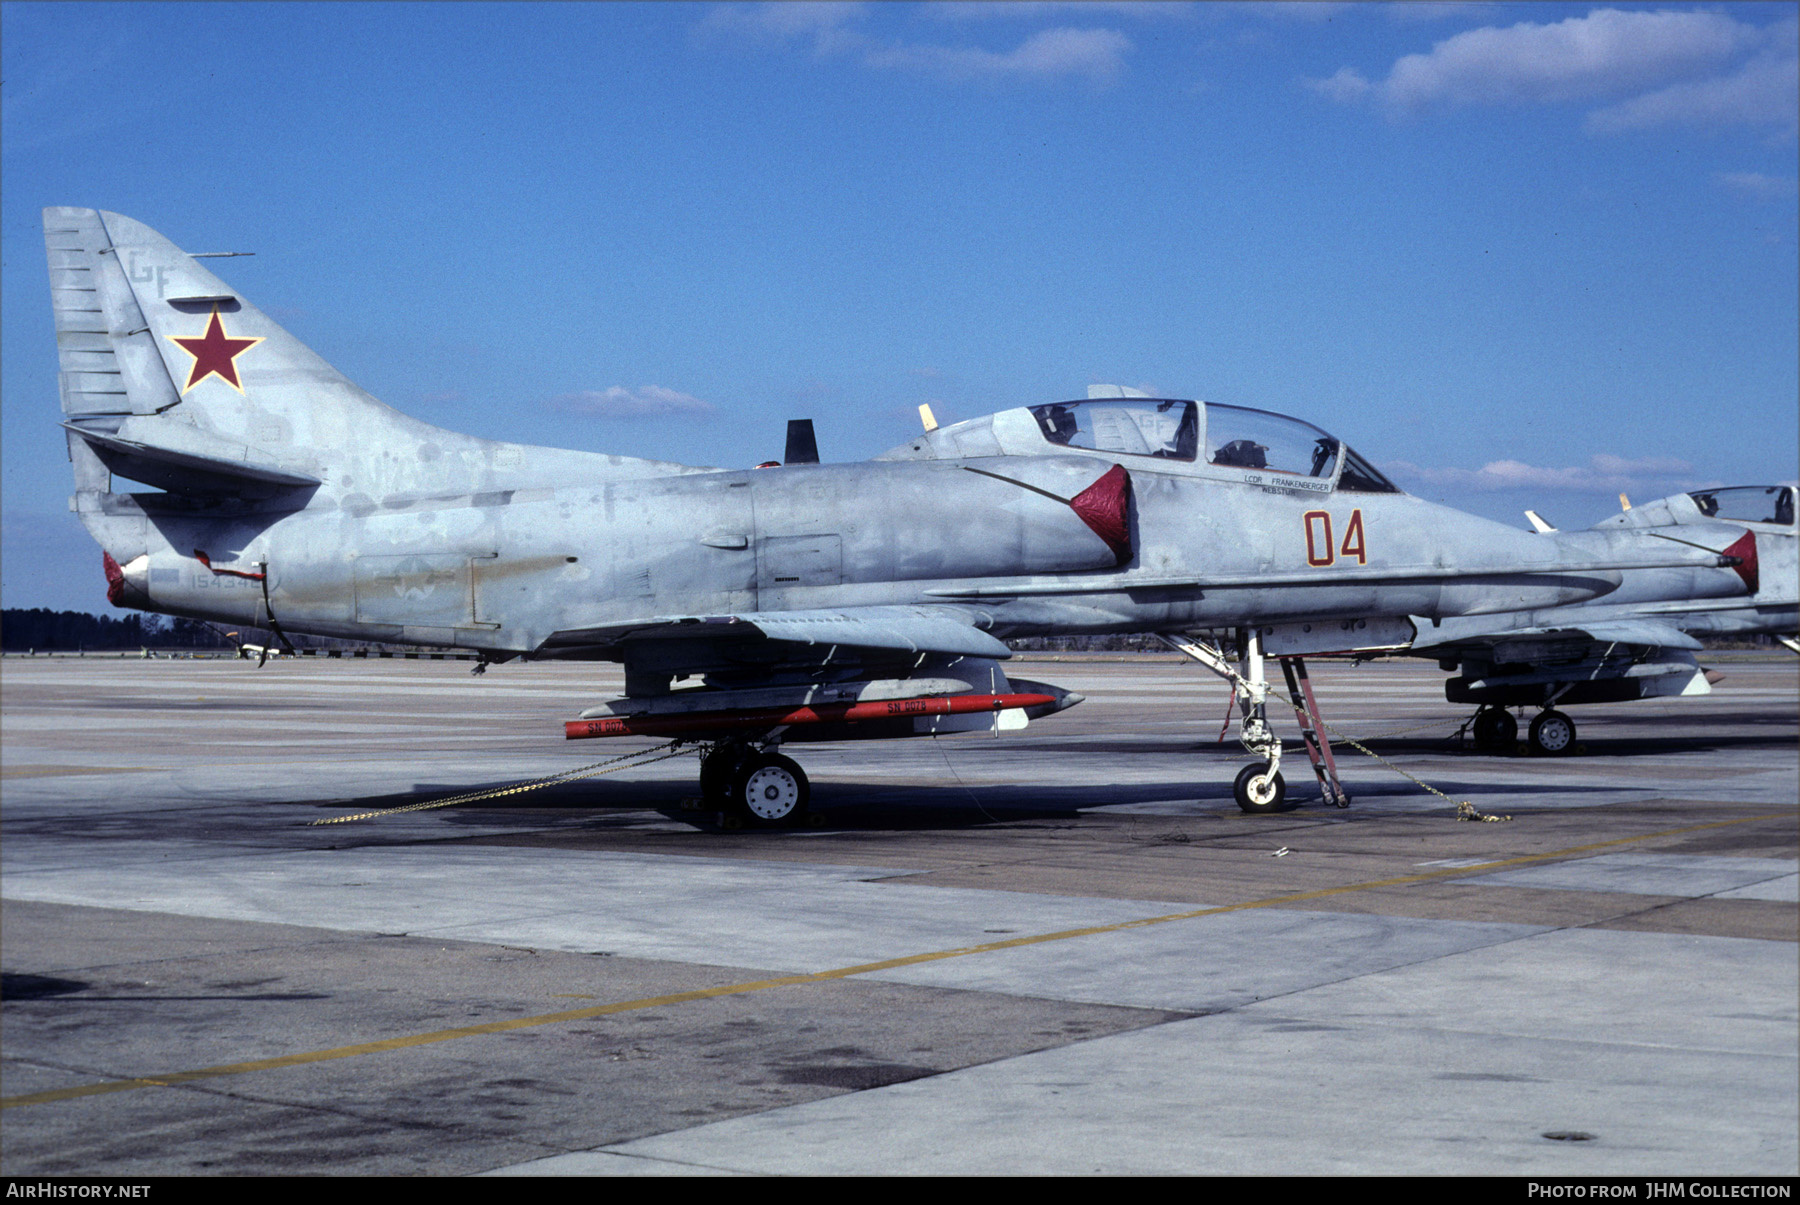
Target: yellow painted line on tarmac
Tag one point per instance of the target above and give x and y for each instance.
(762, 985)
(53, 771)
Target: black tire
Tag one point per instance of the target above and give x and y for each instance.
(769, 791)
(1495, 730)
(1552, 734)
(1259, 792)
(718, 770)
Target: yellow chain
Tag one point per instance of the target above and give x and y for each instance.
(589, 771)
(1464, 809)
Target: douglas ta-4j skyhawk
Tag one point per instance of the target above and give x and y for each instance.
(754, 608)
(1637, 642)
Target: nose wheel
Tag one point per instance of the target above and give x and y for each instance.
(1260, 788)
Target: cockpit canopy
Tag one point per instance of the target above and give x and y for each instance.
(1748, 504)
(1234, 437)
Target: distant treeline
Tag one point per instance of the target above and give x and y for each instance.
(44, 631)
(67, 631)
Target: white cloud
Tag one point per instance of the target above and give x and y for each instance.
(1605, 53)
(1654, 68)
(1098, 54)
(1346, 86)
(1764, 91)
(823, 23)
(646, 401)
(1603, 474)
(835, 30)
(1757, 185)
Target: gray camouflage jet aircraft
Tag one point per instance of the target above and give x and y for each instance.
(1638, 641)
(752, 608)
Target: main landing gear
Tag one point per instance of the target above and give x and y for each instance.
(757, 787)
(1494, 730)
(1551, 734)
(1259, 787)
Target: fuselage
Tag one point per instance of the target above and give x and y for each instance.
(504, 566)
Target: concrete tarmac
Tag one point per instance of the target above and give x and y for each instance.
(1059, 951)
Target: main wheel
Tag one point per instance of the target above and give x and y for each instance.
(1552, 734)
(1495, 729)
(718, 770)
(769, 790)
(1258, 790)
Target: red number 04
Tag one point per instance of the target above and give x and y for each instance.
(1321, 549)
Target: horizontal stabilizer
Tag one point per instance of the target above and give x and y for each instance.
(199, 463)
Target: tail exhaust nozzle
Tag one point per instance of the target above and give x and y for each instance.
(126, 584)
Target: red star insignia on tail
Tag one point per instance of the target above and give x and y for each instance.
(215, 354)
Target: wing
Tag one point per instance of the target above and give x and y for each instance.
(907, 668)
(809, 635)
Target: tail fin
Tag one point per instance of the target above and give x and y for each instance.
(170, 377)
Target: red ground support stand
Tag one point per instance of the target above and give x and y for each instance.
(1318, 748)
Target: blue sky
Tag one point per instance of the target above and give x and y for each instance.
(1518, 255)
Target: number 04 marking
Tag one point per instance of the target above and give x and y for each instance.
(1322, 550)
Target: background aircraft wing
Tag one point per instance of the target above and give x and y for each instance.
(1600, 660)
(1469, 635)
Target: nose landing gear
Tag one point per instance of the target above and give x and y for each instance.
(1259, 787)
